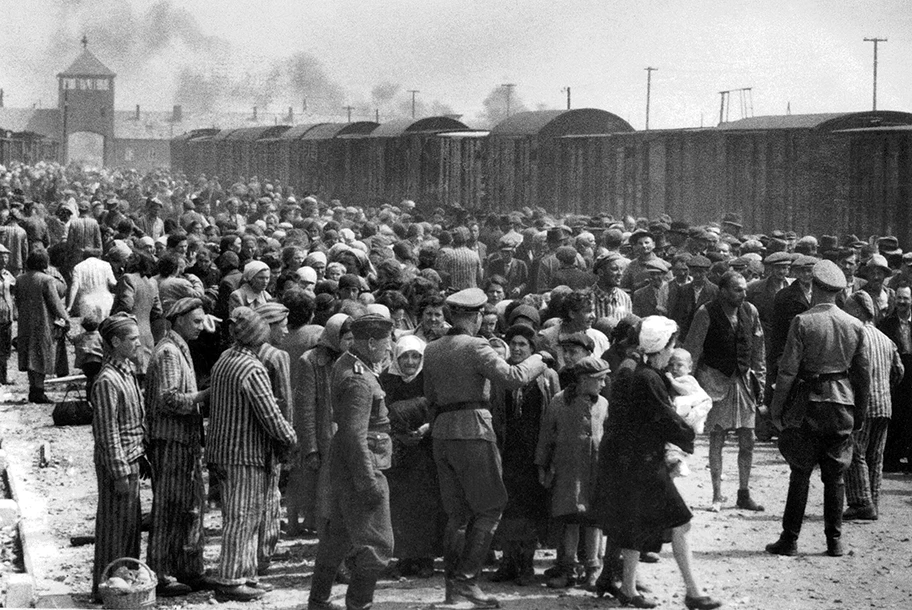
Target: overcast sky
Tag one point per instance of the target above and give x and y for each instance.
(806, 53)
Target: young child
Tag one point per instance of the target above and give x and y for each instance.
(88, 346)
(691, 402)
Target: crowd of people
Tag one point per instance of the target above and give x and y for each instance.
(413, 383)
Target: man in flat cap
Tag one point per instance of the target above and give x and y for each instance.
(359, 524)
(825, 354)
(505, 264)
(788, 303)
(247, 435)
(548, 263)
(636, 275)
(726, 341)
(174, 438)
(646, 299)
(684, 300)
(458, 371)
(278, 365)
(151, 222)
(117, 427)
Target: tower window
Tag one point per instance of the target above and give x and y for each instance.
(101, 84)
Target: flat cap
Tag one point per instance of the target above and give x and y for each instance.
(699, 262)
(510, 241)
(888, 244)
(272, 312)
(752, 245)
(739, 263)
(581, 339)
(371, 326)
(591, 366)
(637, 235)
(732, 219)
(558, 233)
(349, 280)
(524, 311)
(803, 260)
(468, 300)
(679, 226)
(182, 306)
(778, 258)
(829, 276)
(657, 264)
(778, 234)
(851, 240)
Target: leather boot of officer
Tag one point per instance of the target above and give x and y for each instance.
(833, 500)
(465, 580)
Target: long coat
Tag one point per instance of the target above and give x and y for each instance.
(39, 304)
(139, 296)
(636, 500)
(568, 445)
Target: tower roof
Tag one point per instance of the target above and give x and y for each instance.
(87, 65)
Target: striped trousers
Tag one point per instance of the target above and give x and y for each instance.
(117, 522)
(243, 506)
(178, 505)
(864, 476)
(268, 533)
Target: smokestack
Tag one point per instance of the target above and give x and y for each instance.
(177, 115)
(1, 98)
(254, 113)
(137, 112)
(290, 110)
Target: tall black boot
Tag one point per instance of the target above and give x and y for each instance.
(453, 546)
(321, 584)
(360, 595)
(465, 581)
(795, 504)
(833, 501)
(4, 379)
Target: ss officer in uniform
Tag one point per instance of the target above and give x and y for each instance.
(359, 524)
(458, 369)
(825, 349)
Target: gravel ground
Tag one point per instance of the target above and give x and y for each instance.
(728, 546)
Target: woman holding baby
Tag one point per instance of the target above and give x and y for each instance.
(637, 502)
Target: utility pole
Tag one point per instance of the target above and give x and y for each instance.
(649, 72)
(414, 92)
(567, 89)
(875, 41)
(376, 115)
(509, 88)
(349, 109)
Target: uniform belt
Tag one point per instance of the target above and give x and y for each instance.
(462, 406)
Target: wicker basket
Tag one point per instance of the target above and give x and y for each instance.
(137, 598)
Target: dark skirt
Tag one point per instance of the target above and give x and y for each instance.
(415, 507)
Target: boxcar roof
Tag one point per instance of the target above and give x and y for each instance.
(398, 127)
(298, 130)
(556, 123)
(249, 134)
(824, 122)
(328, 131)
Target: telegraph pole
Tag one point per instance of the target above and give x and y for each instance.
(509, 88)
(875, 41)
(414, 92)
(567, 89)
(649, 72)
(349, 109)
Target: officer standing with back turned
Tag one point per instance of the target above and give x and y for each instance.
(458, 369)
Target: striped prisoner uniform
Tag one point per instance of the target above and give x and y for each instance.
(864, 475)
(278, 366)
(117, 427)
(175, 434)
(245, 424)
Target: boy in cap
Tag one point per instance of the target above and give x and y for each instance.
(827, 346)
(359, 523)
(685, 300)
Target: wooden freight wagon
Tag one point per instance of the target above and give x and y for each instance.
(330, 163)
(241, 149)
(463, 162)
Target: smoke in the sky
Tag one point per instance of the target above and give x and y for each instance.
(162, 57)
(495, 106)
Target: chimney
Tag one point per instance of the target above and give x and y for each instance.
(254, 113)
(1, 98)
(290, 109)
(177, 115)
(137, 112)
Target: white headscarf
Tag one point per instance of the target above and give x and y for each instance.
(655, 333)
(408, 343)
(252, 268)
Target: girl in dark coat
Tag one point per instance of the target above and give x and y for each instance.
(638, 502)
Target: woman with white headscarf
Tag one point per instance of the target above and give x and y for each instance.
(415, 507)
(252, 291)
(636, 500)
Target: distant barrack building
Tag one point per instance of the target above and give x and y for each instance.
(86, 127)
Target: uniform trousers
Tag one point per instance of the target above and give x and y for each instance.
(865, 474)
(118, 521)
(177, 538)
(243, 504)
(268, 533)
(357, 528)
(804, 448)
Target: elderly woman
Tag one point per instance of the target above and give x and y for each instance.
(41, 316)
(308, 484)
(637, 502)
(252, 291)
(517, 419)
(417, 514)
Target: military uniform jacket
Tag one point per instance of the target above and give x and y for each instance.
(362, 444)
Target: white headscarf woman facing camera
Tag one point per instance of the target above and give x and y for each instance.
(402, 368)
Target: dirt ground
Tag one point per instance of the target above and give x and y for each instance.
(728, 546)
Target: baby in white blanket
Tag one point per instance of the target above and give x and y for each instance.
(691, 402)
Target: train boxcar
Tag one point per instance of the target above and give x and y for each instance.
(184, 155)
(524, 154)
(461, 173)
(330, 160)
(241, 149)
(404, 159)
(283, 153)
